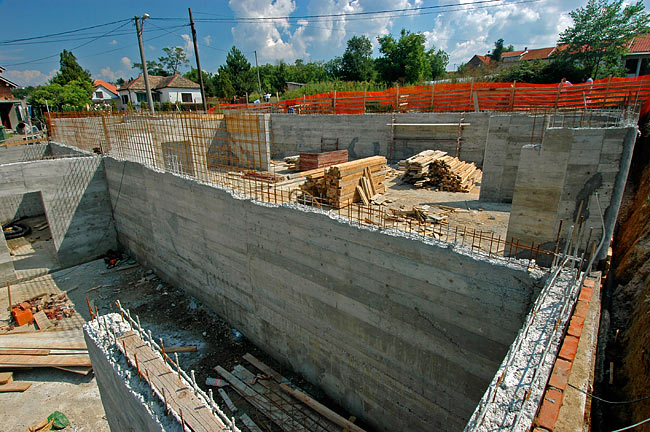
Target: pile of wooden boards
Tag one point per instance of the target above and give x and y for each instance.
(310, 161)
(434, 168)
(355, 181)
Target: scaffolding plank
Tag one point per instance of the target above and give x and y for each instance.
(179, 397)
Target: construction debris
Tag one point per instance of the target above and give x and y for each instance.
(436, 169)
(293, 163)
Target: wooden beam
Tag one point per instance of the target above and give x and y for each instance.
(15, 386)
(321, 409)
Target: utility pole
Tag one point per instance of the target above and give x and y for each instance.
(198, 62)
(145, 74)
(259, 83)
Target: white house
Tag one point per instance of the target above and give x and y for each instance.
(104, 92)
(172, 89)
(637, 60)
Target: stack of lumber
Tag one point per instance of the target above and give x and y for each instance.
(293, 163)
(310, 161)
(356, 181)
(434, 168)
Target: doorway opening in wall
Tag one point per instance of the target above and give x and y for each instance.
(33, 254)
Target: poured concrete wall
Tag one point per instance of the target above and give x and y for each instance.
(7, 273)
(568, 168)
(405, 335)
(22, 153)
(370, 134)
(21, 205)
(75, 200)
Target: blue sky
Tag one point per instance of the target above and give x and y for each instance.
(462, 29)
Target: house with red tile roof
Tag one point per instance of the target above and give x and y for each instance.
(104, 93)
(479, 61)
(638, 58)
(173, 89)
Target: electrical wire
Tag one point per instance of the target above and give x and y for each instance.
(632, 426)
(608, 401)
(77, 47)
(63, 33)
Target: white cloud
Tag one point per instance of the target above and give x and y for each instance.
(108, 74)
(188, 47)
(283, 39)
(207, 40)
(29, 77)
(126, 62)
(113, 42)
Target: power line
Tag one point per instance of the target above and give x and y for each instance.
(62, 33)
(345, 14)
(608, 401)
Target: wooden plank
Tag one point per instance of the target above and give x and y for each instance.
(43, 361)
(231, 406)
(15, 386)
(321, 409)
(250, 358)
(249, 423)
(5, 377)
(17, 351)
(42, 321)
(181, 349)
(362, 195)
(80, 370)
(259, 401)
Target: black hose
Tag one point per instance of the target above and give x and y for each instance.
(14, 230)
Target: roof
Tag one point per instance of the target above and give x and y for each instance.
(511, 54)
(483, 59)
(537, 54)
(9, 83)
(108, 86)
(158, 82)
(640, 44)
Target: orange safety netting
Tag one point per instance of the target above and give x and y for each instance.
(606, 93)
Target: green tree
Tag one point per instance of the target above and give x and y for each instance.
(235, 77)
(499, 49)
(208, 81)
(153, 68)
(22, 93)
(334, 68)
(438, 61)
(70, 70)
(74, 95)
(403, 60)
(600, 34)
(173, 60)
(357, 63)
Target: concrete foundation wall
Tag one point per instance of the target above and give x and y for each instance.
(370, 134)
(405, 335)
(7, 273)
(22, 153)
(570, 166)
(17, 206)
(75, 200)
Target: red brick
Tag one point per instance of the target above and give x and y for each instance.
(586, 293)
(560, 375)
(581, 309)
(569, 348)
(575, 326)
(550, 409)
(590, 283)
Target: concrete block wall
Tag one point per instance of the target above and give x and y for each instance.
(553, 179)
(404, 334)
(370, 134)
(75, 199)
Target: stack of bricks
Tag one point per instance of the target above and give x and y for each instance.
(552, 401)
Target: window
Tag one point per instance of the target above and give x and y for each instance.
(155, 96)
(99, 95)
(125, 99)
(186, 97)
(141, 97)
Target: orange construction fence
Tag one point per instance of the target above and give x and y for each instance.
(473, 96)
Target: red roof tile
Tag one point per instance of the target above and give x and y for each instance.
(158, 82)
(108, 86)
(640, 44)
(539, 53)
(511, 54)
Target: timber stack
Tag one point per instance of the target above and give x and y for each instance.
(310, 161)
(345, 183)
(436, 169)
